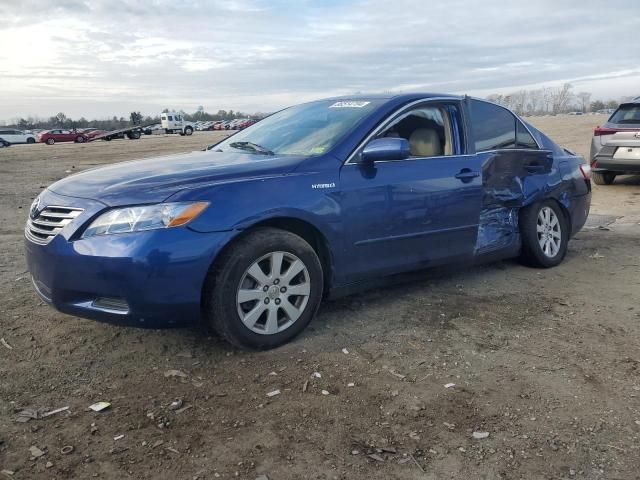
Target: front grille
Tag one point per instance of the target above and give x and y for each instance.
(49, 222)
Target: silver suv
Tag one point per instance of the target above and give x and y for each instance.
(615, 146)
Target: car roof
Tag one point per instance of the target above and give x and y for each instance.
(408, 97)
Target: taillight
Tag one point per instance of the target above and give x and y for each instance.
(585, 168)
(604, 131)
(598, 131)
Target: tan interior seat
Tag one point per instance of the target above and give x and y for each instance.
(425, 142)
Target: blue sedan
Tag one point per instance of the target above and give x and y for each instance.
(315, 200)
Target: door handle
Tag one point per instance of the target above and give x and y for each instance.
(466, 175)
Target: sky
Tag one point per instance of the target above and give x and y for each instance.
(102, 58)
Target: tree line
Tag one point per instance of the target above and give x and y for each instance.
(552, 100)
(135, 118)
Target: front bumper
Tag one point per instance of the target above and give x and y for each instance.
(151, 278)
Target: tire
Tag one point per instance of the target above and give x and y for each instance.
(536, 231)
(223, 309)
(50, 141)
(135, 135)
(31, 140)
(188, 131)
(603, 178)
(80, 139)
(108, 139)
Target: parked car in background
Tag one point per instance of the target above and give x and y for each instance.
(615, 146)
(16, 136)
(315, 200)
(247, 123)
(90, 133)
(4, 143)
(153, 129)
(60, 135)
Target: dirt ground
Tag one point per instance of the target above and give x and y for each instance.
(546, 361)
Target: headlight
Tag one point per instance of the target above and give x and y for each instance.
(146, 217)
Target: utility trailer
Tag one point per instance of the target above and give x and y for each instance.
(132, 133)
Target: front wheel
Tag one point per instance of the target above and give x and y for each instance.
(188, 131)
(603, 178)
(265, 289)
(31, 140)
(545, 234)
(79, 139)
(50, 141)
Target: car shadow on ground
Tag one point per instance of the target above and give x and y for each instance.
(626, 180)
(452, 282)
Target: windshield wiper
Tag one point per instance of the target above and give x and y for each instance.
(253, 147)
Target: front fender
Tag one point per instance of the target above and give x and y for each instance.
(241, 204)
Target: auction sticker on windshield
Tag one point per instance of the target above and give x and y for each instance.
(349, 104)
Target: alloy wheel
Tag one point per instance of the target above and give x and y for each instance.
(273, 293)
(549, 232)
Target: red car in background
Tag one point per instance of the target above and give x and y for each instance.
(247, 123)
(52, 136)
(92, 132)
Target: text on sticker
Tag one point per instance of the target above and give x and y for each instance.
(349, 104)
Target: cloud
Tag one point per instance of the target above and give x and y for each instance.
(102, 57)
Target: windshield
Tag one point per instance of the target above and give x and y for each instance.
(629, 113)
(308, 129)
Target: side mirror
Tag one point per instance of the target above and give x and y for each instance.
(387, 148)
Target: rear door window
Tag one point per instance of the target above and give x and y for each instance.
(494, 127)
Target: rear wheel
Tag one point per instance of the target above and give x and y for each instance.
(265, 290)
(50, 141)
(603, 178)
(545, 234)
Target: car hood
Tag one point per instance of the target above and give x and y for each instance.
(155, 179)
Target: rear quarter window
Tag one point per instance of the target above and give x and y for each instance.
(523, 137)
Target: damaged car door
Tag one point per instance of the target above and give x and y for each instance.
(414, 210)
(514, 171)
